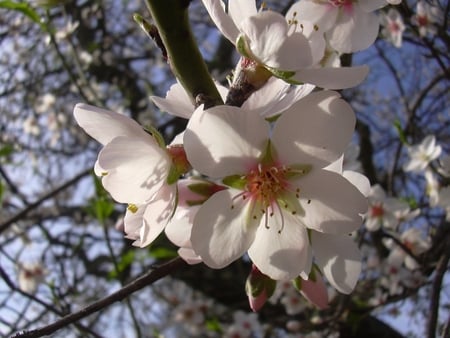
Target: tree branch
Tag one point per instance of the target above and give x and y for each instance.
(143, 281)
(184, 57)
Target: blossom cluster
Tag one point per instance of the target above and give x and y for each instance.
(263, 176)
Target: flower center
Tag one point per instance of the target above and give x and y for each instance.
(265, 183)
(377, 211)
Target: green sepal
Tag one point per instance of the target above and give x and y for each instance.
(201, 188)
(235, 181)
(268, 156)
(173, 176)
(156, 135)
(241, 46)
(285, 75)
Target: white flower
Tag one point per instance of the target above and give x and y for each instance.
(30, 276)
(270, 100)
(413, 240)
(349, 25)
(426, 17)
(286, 49)
(278, 188)
(393, 27)
(134, 170)
(384, 211)
(30, 126)
(432, 187)
(422, 154)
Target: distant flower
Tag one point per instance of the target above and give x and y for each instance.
(426, 18)
(244, 325)
(393, 27)
(30, 276)
(432, 187)
(384, 211)
(422, 154)
(412, 239)
(31, 127)
(278, 187)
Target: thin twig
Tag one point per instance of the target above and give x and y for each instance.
(5, 225)
(143, 281)
(436, 293)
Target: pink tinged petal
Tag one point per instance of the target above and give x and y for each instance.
(223, 21)
(157, 214)
(177, 102)
(321, 14)
(178, 230)
(315, 130)
(281, 251)
(221, 234)
(241, 9)
(354, 31)
(331, 203)
(225, 140)
(104, 125)
(339, 259)
(137, 168)
(332, 78)
(315, 291)
(189, 256)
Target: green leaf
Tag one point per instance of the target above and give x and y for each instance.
(400, 131)
(213, 325)
(6, 150)
(24, 8)
(125, 261)
(163, 253)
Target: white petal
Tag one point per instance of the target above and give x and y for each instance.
(221, 234)
(315, 130)
(136, 168)
(360, 181)
(241, 9)
(320, 14)
(331, 203)
(133, 221)
(339, 259)
(189, 256)
(223, 21)
(177, 102)
(372, 5)
(157, 214)
(332, 78)
(281, 251)
(104, 125)
(354, 31)
(225, 140)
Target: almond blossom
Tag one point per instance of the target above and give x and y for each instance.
(422, 154)
(384, 211)
(134, 169)
(286, 49)
(278, 187)
(349, 25)
(393, 27)
(414, 241)
(426, 17)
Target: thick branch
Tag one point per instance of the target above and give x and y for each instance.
(185, 60)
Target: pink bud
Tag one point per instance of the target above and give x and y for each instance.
(313, 289)
(259, 288)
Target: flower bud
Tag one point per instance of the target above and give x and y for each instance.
(259, 288)
(313, 289)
